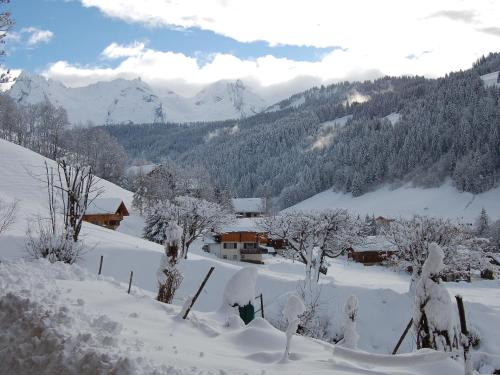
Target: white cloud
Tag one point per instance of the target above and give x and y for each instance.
(36, 35)
(391, 37)
(115, 51)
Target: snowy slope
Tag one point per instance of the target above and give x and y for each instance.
(134, 101)
(384, 305)
(445, 201)
(60, 319)
(491, 79)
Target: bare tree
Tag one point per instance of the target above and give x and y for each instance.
(313, 237)
(77, 186)
(95, 147)
(70, 190)
(6, 23)
(412, 238)
(7, 215)
(194, 216)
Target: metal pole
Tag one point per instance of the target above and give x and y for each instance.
(198, 292)
(130, 281)
(100, 265)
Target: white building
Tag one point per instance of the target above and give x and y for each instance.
(249, 207)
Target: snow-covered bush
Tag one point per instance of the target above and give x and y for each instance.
(238, 293)
(169, 277)
(43, 240)
(351, 335)
(292, 312)
(315, 320)
(433, 321)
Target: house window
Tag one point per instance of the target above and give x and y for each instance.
(230, 245)
(224, 256)
(250, 245)
(235, 257)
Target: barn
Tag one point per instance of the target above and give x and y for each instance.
(106, 212)
(374, 250)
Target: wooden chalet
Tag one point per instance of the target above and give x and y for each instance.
(373, 251)
(106, 212)
(242, 242)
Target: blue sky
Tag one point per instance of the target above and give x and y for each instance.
(185, 44)
(81, 34)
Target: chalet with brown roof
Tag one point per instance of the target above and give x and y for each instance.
(106, 212)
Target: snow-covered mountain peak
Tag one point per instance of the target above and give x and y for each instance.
(134, 101)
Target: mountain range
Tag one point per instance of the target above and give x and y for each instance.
(133, 101)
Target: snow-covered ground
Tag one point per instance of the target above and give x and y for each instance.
(57, 319)
(68, 314)
(444, 201)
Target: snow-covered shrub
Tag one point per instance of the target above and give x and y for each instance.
(351, 336)
(314, 320)
(292, 312)
(433, 321)
(169, 277)
(238, 293)
(52, 242)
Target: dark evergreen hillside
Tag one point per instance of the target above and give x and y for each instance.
(447, 128)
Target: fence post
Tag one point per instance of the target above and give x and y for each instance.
(465, 336)
(100, 265)
(130, 281)
(402, 336)
(262, 306)
(198, 292)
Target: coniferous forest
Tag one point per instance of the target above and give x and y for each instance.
(394, 130)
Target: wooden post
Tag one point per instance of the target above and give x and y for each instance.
(100, 265)
(261, 306)
(198, 292)
(465, 336)
(402, 336)
(130, 281)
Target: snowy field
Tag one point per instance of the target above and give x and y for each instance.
(68, 316)
(406, 201)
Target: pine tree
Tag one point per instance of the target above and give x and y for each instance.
(483, 224)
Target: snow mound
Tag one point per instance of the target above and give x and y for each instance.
(240, 289)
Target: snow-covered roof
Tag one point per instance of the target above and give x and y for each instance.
(374, 243)
(241, 225)
(104, 206)
(251, 205)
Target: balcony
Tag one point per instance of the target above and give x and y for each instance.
(256, 250)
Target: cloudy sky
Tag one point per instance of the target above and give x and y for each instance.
(184, 44)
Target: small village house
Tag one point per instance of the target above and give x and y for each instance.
(374, 250)
(106, 212)
(243, 241)
(249, 207)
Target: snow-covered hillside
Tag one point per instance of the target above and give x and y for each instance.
(134, 101)
(445, 201)
(491, 79)
(89, 323)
